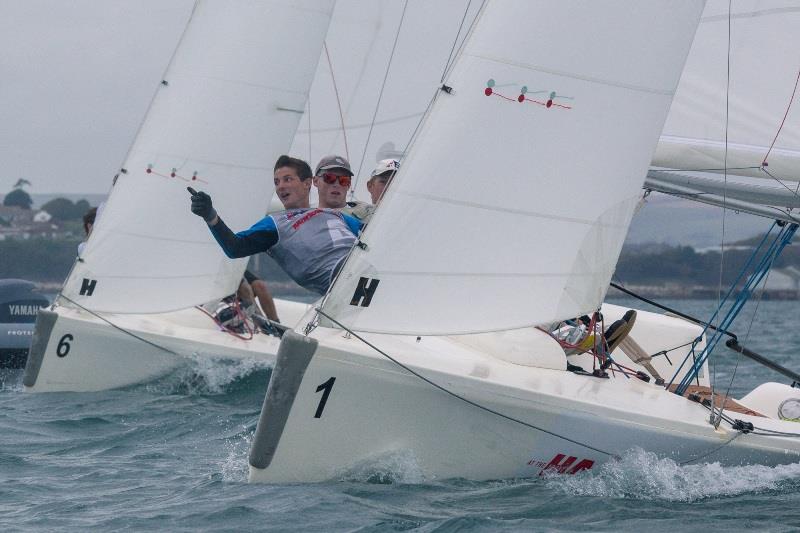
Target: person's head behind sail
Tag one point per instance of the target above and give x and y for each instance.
(381, 177)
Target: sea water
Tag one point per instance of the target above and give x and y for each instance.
(172, 455)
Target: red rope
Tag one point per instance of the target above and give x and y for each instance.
(505, 97)
(543, 104)
(237, 308)
(764, 162)
(564, 344)
(600, 345)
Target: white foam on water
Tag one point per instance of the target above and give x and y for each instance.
(11, 381)
(234, 467)
(207, 375)
(643, 475)
(219, 373)
(393, 467)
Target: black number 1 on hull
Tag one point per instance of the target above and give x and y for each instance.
(327, 386)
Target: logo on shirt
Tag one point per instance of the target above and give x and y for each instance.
(305, 218)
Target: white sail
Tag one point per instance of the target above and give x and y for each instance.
(229, 105)
(764, 69)
(413, 40)
(513, 203)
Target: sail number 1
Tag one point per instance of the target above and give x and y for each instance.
(325, 388)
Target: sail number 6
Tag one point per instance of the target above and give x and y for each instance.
(63, 345)
(326, 387)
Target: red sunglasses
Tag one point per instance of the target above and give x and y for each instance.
(330, 179)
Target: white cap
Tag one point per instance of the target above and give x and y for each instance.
(385, 165)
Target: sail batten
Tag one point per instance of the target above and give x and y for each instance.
(503, 209)
(577, 76)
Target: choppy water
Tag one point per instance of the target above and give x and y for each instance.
(172, 455)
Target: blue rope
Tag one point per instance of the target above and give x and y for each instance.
(721, 304)
(779, 242)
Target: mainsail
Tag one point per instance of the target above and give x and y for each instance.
(758, 73)
(229, 105)
(513, 203)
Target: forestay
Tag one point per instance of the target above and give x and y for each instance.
(412, 41)
(763, 72)
(513, 203)
(229, 105)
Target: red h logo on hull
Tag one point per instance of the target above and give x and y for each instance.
(561, 464)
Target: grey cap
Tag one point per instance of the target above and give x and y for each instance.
(330, 162)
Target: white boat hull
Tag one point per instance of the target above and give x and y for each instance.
(74, 350)
(374, 409)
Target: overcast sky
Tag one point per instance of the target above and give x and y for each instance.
(76, 78)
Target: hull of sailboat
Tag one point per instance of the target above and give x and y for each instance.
(77, 351)
(355, 409)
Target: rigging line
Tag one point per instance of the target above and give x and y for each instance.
(458, 396)
(746, 337)
(713, 450)
(413, 136)
(422, 118)
(780, 182)
(309, 125)
(479, 13)
(667, 350)
(338, 101)
(788, 107)
(771, 433)
(455, 42)
(702, 169)
(724, 202)
(670, 310)
(796, 190)
(380, 96)
(766, 432)
(123, 330)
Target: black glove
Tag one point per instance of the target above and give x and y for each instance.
(201, 205)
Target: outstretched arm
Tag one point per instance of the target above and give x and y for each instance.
(259, 238)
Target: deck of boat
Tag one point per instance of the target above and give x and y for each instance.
(703, 395)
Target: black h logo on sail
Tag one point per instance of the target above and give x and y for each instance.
(364, 292)
(87, 286)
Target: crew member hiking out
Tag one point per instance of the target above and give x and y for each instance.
(310, 245)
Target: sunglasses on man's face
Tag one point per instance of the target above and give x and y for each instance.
(330, 179)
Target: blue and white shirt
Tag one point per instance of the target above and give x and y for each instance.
(309, 244)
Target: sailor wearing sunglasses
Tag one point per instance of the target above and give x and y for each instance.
(310, 245)
(332, 180)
